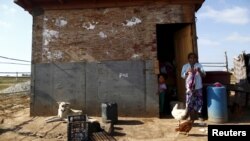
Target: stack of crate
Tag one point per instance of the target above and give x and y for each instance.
(78, 128)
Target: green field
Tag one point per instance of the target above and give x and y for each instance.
(5, 82)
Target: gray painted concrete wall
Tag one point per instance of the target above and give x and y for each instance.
(131, 84)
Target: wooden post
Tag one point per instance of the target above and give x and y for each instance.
(226, 60)
(16, 76)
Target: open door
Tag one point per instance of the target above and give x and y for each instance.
(183, 42)
(174, 42)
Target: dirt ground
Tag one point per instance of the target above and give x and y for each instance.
(16, 124)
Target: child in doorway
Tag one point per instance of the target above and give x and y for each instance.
(162, 91)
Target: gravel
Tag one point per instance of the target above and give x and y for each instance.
(19, 87)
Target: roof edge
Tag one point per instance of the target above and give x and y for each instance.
(30, 5)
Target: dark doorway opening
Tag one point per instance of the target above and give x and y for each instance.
(168, 55)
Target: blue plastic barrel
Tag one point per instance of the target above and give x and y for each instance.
(217, 104)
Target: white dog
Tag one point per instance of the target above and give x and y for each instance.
(64, 111)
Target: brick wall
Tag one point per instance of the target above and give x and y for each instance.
(123, 33)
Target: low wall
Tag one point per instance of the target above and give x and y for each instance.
(131, 84)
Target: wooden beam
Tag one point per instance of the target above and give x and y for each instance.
(61, 1)
(26, 4)
(79, 4)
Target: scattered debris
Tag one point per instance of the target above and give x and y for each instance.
(19, 87)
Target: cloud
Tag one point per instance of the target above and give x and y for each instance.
(4, 24)
(236, 37)
(222, 1)
(7, 9)
(208, 42)
(234, 15)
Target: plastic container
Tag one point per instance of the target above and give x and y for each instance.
(217, 104)
(109, 112)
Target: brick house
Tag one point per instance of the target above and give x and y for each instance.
(93, 51)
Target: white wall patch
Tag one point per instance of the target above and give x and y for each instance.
(61, 22)
(132, 22)
(45, 19)
(57, 54)
(135, 56)
(102, 35)
(54, 55)
(49, 35)
(89, 25)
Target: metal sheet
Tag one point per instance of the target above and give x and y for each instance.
(87, 85)
(123, 82)
(55, 83)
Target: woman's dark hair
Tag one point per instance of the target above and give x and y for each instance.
(192, 54)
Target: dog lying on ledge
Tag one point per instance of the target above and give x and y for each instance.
(64, 111)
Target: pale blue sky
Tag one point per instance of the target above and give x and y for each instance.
(222, 26)
(15, 36)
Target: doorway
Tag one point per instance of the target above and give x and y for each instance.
(174, 42)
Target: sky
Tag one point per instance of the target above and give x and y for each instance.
(222, 26)
(15, 37)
